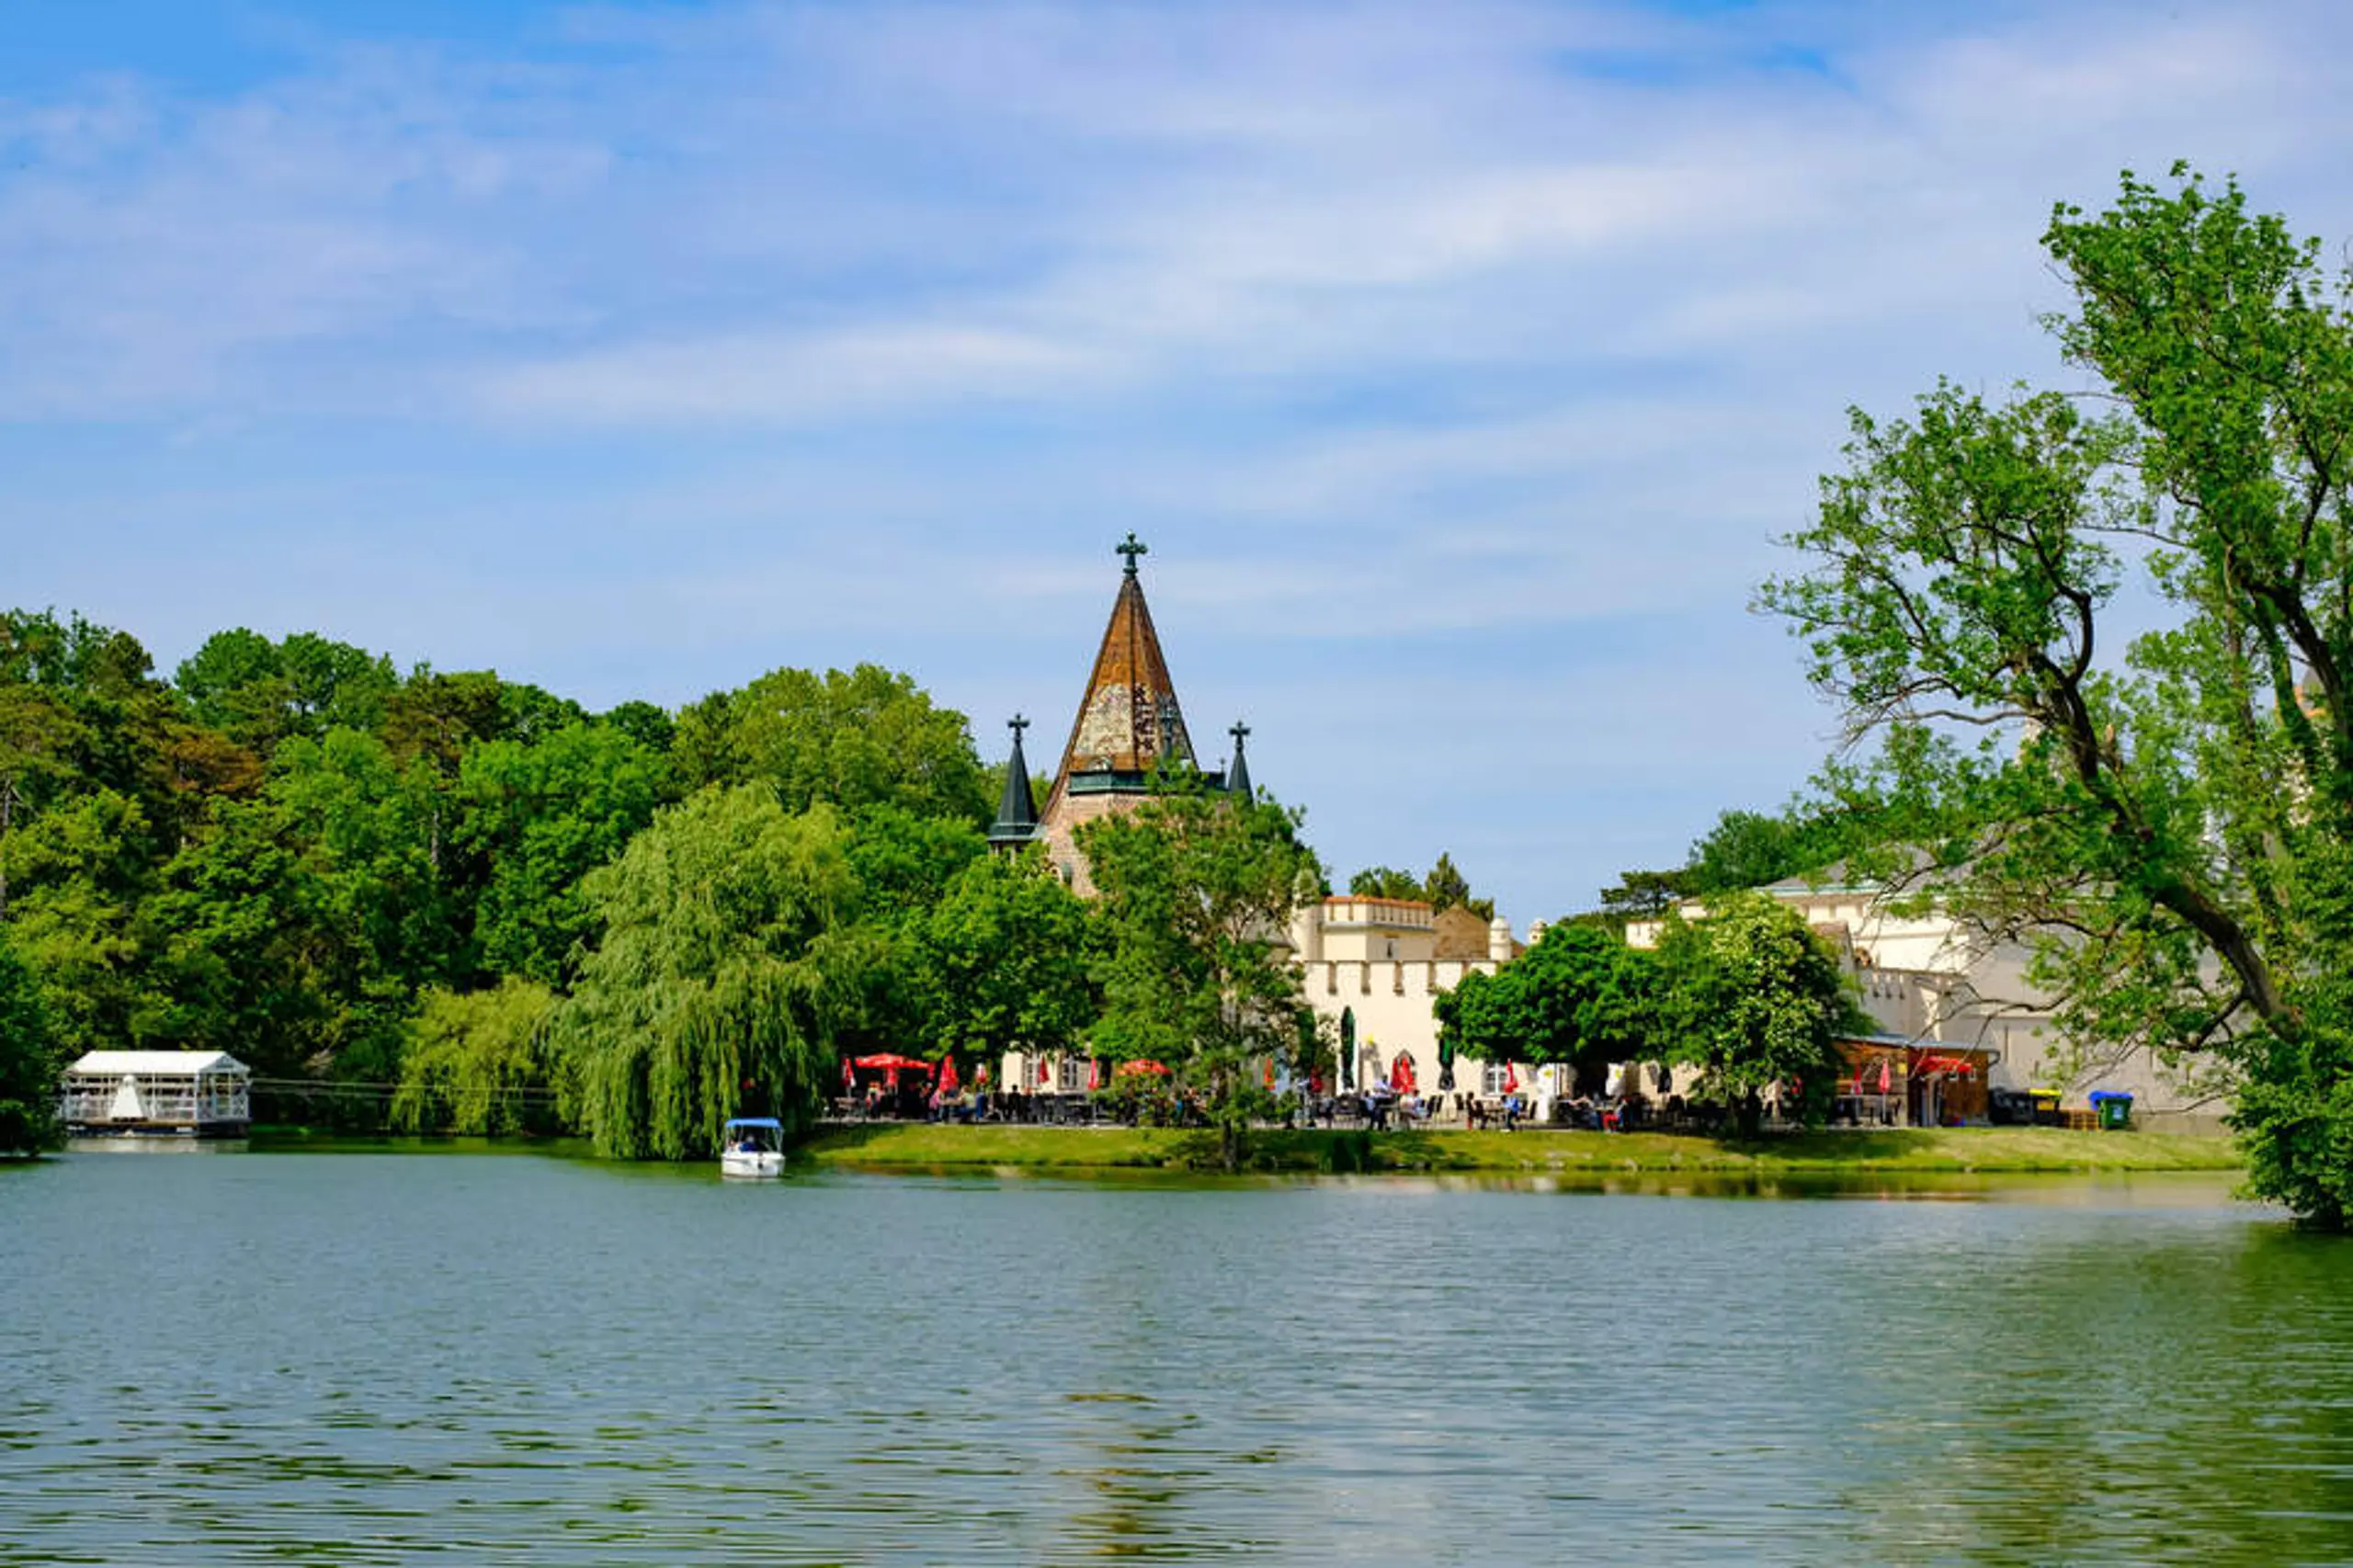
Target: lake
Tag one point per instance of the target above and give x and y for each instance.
(215, 1356)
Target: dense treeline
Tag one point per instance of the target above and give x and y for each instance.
(454, 901)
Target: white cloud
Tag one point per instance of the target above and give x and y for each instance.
(1462, 342)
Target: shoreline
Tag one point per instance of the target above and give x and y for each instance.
(926, 1146)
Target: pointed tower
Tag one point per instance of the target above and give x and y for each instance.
(1017, 818)
(1129, 727)
(1237, 778)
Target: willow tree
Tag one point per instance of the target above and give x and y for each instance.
(477, 1062)
(2168, 822)
(729, 961)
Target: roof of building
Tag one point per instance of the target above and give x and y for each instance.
(157, 1062)
(1129, 720)
(1237, 778)
(1016, 817)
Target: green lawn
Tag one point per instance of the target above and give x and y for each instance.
(923, 1146)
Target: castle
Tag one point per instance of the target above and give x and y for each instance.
(1371, 968)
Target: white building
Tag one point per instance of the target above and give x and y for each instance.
(1927, 979)
(201, 1093)
(1380, 964)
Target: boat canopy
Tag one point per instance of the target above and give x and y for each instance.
(767, 1122)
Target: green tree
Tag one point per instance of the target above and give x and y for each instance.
(1580, 995)
(1746, 849)
(79, 879)
(1385, 881)
(259, 693)
(853, 739)
(1446, 886)
(729, 963)
(241, 955)
(1000, 961)
(478, 1064)
(542, 817)
(30, 1061)
(648, 725)
(1645, 895)
(2173, 829)
(1754, 1000)
(434, 717)
(1197, 894)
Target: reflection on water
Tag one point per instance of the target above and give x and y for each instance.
(354, 1360)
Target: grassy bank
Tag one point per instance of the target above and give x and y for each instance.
(921, 1146)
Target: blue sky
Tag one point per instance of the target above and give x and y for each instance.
(1459, 363)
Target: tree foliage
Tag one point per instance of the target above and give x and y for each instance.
(1196, 890)
(29, 1061)
(478, 1064)
(1755, 1001)
(853, 739)
(1580, 995)
(1000, 961)
(2169, 820)
(1442, 889)
(729, 964)
(542, 816)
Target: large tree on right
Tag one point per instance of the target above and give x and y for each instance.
(2104, 641)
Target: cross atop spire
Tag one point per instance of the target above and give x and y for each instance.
(1131, 548)
(1016, 725)
(1237, 777)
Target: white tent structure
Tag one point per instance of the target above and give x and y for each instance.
(205, 1092)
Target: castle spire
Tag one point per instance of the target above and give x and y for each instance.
(1237, 778)
(1129, 722)
(1016, 819)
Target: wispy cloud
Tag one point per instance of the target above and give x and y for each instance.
(1439, 351)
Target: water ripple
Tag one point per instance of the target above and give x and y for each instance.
(381, 1360)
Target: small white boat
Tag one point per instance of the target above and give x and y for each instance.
(752, 1146)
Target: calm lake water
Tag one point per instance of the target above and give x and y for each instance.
(222, 1356)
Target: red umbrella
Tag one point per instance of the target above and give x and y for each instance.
(1144, 1066)
(948, 1083)
(981, 1077)
(1886, 1074)
(889, 1062)
(850, 1077)
(1401, 1073)
(1511, 1077)
(1045, 1073)
(1094, 1074)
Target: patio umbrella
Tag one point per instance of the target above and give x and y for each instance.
(1347, 1047)
(1511, 1077)
(1155, 1068)
(947, 1081)
(889, 1062)
(1401, 1073)
(849, 1077)
(1094, 1074)
(1445, 1062)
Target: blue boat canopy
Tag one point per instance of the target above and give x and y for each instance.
(756, 1121)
